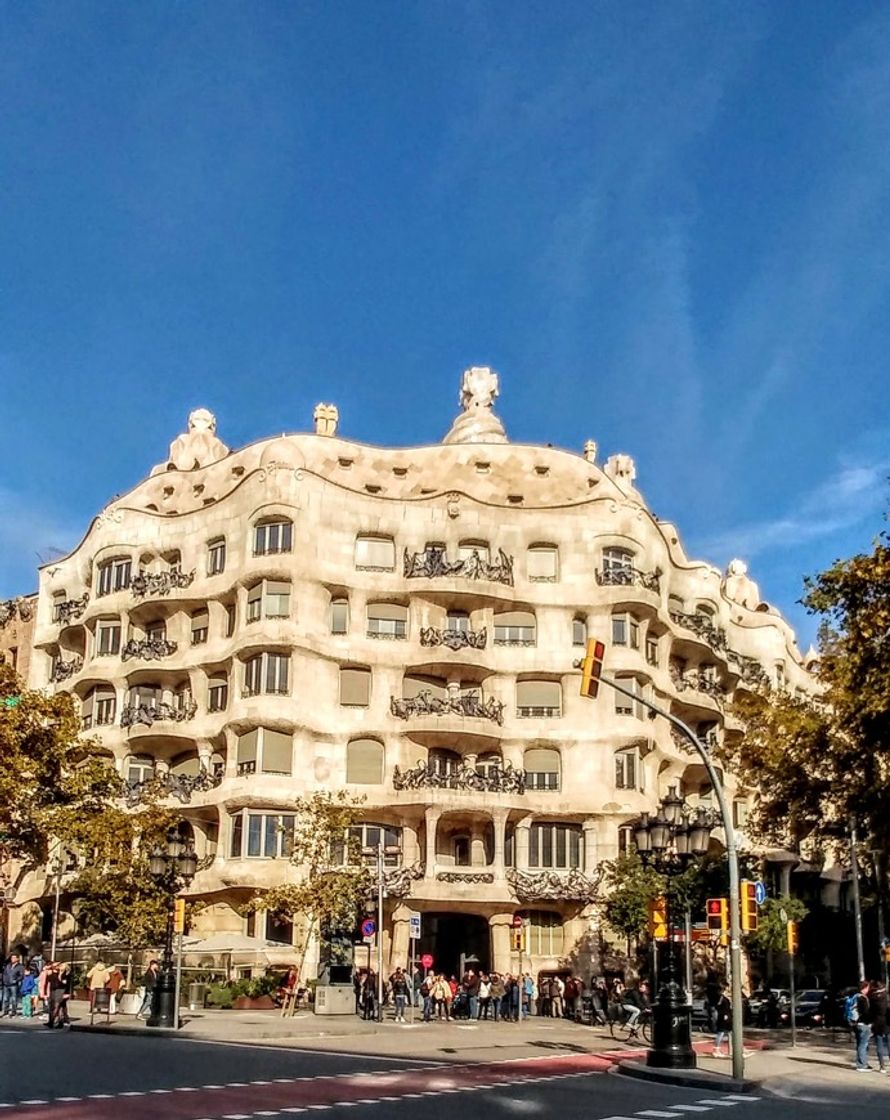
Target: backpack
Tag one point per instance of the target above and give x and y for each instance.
(851, 1009)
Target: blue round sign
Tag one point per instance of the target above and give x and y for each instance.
(369, 927)
(759, 893)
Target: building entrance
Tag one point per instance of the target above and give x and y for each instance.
(449, 937)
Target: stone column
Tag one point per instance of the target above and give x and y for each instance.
(410, 844)
(205, 753)
(523, 832)
(398, 955)
(477, 845)
(431, 819)
(499, 816)
(501, 960)
(588, 830)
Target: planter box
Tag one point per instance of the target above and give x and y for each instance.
(129, 1004)
(261, 1003)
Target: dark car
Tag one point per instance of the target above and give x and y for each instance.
(810, 1008)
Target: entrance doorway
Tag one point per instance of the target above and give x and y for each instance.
(448, 937)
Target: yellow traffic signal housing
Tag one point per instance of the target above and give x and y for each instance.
(717, 912)
(658, 929)
(517, 939)
(592, 668)
(793, 940)
(179, 915)
(750, 911)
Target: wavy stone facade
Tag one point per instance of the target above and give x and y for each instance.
(309, 613)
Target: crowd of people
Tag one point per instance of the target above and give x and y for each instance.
(36, 988)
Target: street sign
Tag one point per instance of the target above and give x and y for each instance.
(414, 924)
(760, 892)
(517, 921)
(369, 927)
(427, 960)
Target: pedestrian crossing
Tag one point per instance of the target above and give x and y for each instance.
(676, 1111)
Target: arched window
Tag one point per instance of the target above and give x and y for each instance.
(387, 620)
(339, 616)
(543, 563)
(545, 933)
(538, 699)
(273, 536)
(466, 549)
(113, 575)
(364, 762)
(618, 564)
(554, 845)
(542, 766)
(375, 554)
(514, 628)
(355, 687)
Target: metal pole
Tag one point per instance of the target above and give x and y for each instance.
(735, 924)
(380, 932)
(879, 886)
(178, 988)
(857, 903)
(687, 934)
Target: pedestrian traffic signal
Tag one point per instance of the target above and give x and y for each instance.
(792, 938)
(749, 908)
(717, 912)
(658, 929)
(592, 668)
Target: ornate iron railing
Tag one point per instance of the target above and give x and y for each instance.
(69, 609)
(537, 711)
(702, 626)
(147, 649)
(697, 682)
(454, 639)
(749, 668)
(62, 670)
(397, 881)
(432, 563)
(147, 714)
(159, 583)
(10, 609)
(709, 738)
(480, 877)
(493, 779)
(244, 768)
(530, 886)
(629, 577)
(180, 786)
(426, 704)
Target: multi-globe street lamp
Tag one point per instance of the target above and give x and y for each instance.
(669, 842)
(173, 866)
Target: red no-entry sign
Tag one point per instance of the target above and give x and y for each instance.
(517, 921)
(427, 960)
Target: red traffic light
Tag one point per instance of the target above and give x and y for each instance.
(592, 668)
(714, 906)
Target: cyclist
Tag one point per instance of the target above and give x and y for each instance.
(634, 1001)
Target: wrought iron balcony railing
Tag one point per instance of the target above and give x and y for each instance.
(69, 609)
(180, 786)
(10, 609)
(629, 577)
(151, 584)
(703, 627)
(147, 649)
(479, 877)
(62, 670)
(244, 768)
(432, 563)
(532, 885)
(426, 704)
(454, 639)
(749, 669)
(147, 714)
(710, 739)
(493, 779)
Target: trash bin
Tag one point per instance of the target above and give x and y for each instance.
(197, 996)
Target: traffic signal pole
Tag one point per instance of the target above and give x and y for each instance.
(735, 924)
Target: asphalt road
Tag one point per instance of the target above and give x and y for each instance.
(79, 1076)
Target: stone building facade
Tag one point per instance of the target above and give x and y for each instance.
(17, 618)
(308, 613)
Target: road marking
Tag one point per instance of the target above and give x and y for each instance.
(129, 1093)
(723, 1103)
(656, 1112)
(740, 1099)
(35, 1102)
(690, 1107)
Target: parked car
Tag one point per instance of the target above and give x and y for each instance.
(770, 1007)
(810, 1008)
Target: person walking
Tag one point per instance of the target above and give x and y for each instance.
(859, 1017)
(58, 996)
(97, 979)
(484, 996)
(496, 992)
(149, 983)
(114, 985)
(877, 1006)
(722, 1024)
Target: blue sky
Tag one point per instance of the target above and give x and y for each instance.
(667, 226)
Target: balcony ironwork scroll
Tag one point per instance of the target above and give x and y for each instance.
(493, 779)
(532, 886)
(146, 714)
(454, 639)
(709, 738)
(468, 704)
(180, 786)
(151, 584)
(69, 609)
(397, 881)
(697, 682)
(629, 577)
(62, 670)
(11, 609)
(702, 626)
(749, 668)
(465, 877)
(147, 649)
(432, 563)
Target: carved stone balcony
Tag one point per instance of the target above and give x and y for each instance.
(629, 577)
(62, 670)
(147, 649)
(397, 881)
(545, 885)
(69, 609)
(180, 786)
(432, 563)
(493, 779)
(152, 584)
(147, 714)
(426, 704)
(454, 639)
(702, 627)
(480, 878)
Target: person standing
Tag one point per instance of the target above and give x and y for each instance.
(400, 991)
(13, 974)
(149, 983)
(860, 1019)
(97, 979)
(877, 1006)
(58, 996)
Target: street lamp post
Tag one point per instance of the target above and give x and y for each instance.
(669, 842)
(173, 867)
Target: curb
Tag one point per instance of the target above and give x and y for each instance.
(686, 1078)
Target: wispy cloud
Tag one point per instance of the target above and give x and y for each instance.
(30, 533)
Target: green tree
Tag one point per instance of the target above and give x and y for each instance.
(772, 929)
(632, 887)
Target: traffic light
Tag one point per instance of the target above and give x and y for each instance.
(749, 908)
(717, 911)
(592, 668)
(658, 929)
(517, 940)
(179, 915)
(792, 938)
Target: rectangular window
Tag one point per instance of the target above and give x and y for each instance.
(625, 705)
(339, 616)
(253, 675)
(355, 687)
(273, 537)
(459, 622)
(543, 564)
(200, 627)
(254, 834)
(626, 770)
(247, 752)
(387, 620)
(237, 841)
(740, 813)
(218, 696)
(156, 631)
(104, 708)
(108, 638)
(375, 554)
(277, 599)
(277, 752)
(114, 576)
(270, 837)
(216, 557)
(555, 845)
(277, 672)
(230, 620)
(652, 651)
(579, 632)
(255, 603)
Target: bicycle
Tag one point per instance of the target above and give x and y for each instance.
(622, 1030)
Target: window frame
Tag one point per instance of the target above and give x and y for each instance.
(546, 838)
(284, 834)
(216, 556)
(108, 626)
(274, 537)
(113, 575)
